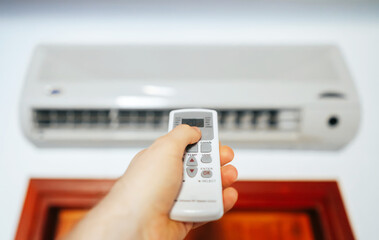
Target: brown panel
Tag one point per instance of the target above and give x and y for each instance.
(66, 220)
(319, 203)
(245, 225)
(45, 196)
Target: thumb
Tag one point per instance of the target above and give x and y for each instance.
(178, 138)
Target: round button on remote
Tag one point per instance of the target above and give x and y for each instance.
(206, 174)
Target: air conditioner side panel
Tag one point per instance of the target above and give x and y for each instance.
(319, 134)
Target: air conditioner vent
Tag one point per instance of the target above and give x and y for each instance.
(229, 119)
(54, 118)
(259, 119)
(142, 118)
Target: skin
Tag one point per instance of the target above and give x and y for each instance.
(138, 205)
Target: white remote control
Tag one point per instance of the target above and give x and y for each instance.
(200, 196)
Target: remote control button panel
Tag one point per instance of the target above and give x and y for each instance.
(197, 159)
(191, 160)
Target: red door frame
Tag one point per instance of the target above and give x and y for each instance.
(319, 197)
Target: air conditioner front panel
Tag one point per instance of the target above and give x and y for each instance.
(267, 96)
(186, 63)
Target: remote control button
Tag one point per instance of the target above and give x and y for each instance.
(191, 171)
(206, 174)
(191, 161)
(206, 147)
(206, 133)
(193, 148)
(206, 158)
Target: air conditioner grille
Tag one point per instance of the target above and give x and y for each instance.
(229, 119)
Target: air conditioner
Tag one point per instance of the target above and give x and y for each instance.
(119, 95)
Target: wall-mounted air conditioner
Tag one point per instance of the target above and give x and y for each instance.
(266, 96)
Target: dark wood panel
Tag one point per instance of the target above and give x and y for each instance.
(316, 206)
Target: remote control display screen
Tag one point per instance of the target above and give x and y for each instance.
(194, 122)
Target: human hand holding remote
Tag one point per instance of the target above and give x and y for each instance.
(139, 203)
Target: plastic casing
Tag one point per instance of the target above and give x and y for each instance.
(203, 200)
(313, 79)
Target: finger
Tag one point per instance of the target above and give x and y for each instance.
(179, 138)
(226, 155)
(198, 224)
(185, 134)
(229, 175)
(140, 153)
(230, 196)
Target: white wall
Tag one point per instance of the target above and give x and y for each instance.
(355, 28)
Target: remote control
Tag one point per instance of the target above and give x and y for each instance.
(200, 196)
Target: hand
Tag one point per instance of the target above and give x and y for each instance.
(138, 205)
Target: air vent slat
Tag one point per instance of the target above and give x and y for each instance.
(229, 119)
(158, 118)
(71, 118)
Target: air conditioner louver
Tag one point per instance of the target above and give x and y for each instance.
(229, 119)
(84, 118)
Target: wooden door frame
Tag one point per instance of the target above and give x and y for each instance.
(321, 198)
